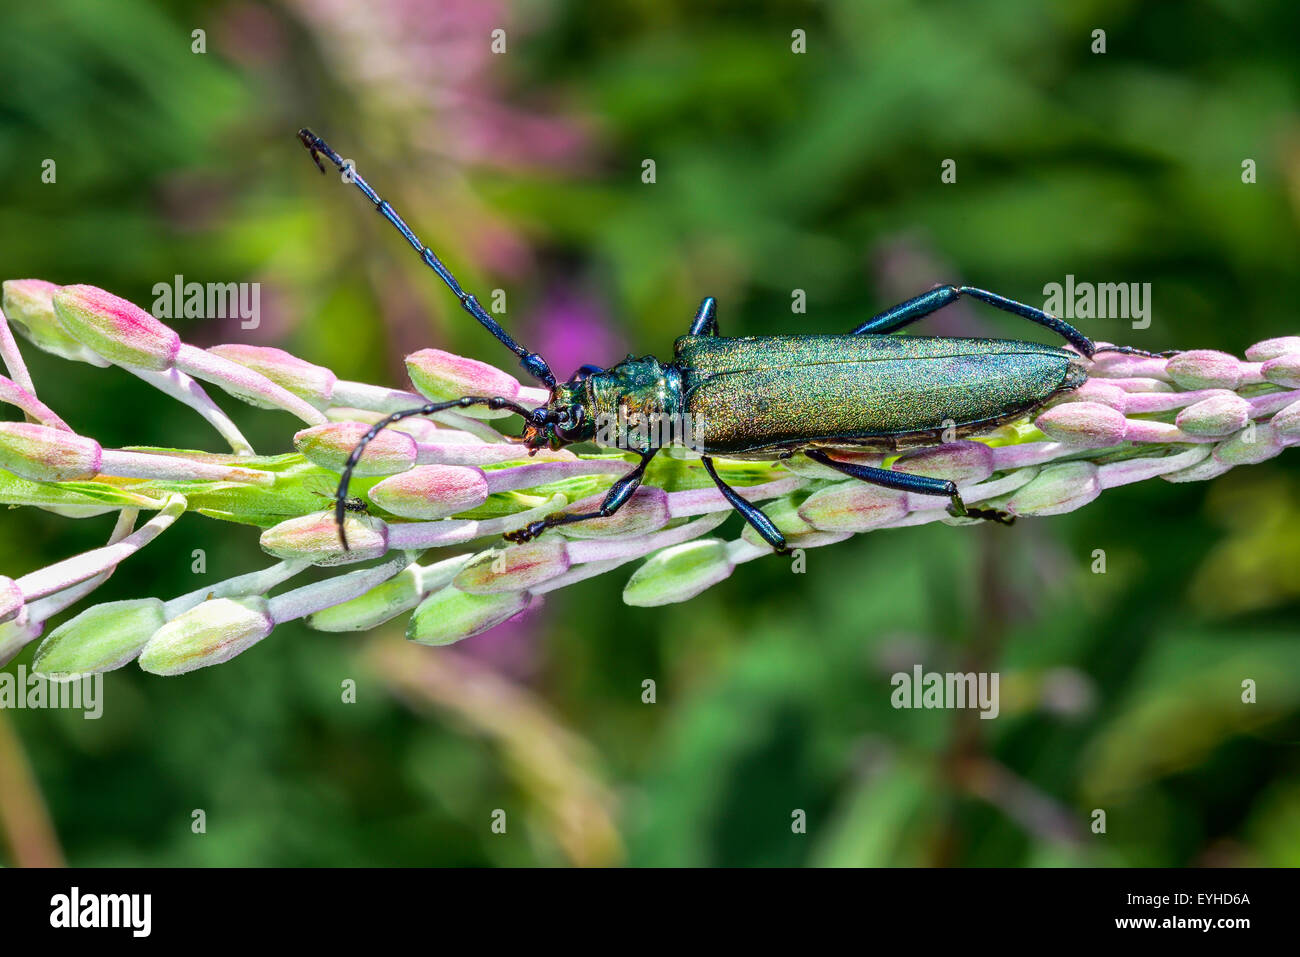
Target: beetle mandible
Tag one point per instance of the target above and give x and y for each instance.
(771, 396)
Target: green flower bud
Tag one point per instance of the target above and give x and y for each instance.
(1272, 348)
(311, 383)
(29, 305)
(1220, 414)
(315, 538)
(450, 615)
(329, 446)
(386, 601)
(1287, 422)
(1085, 424)
(431, 491)
(1284, 370)
(43, 454)
(678, 573)
(853, 507)
(1249, 446)
(208, 634)
(963, 462)
(116, 329)
(1205, 369)
(785, 516)
(101, 638)
(1056, 489)
(512, 569)
(441, 376)
(645, 512)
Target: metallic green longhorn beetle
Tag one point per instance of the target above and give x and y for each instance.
(768, 397)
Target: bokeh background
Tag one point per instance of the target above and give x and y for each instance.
(775, 171)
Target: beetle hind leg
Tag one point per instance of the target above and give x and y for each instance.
(750, 512)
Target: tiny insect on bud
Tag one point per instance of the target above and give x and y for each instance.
(441, 376)
(1220, 414)
(1205, 369)
(116, 329)
(516, 568)
(678, 573)
(431, 491)
(315, 538)
(450, 615)
(1056, 489)
(1283, 370)
(329, 446)
(29, 305)
(208, 634)
(11, 599)
(963, 462)
(1272, 348)
(311, 383)
(645, 512)
(1085, 424)
(101, 638)
(44, 454)
(853, 507)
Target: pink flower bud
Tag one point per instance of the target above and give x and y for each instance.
(208, 634)
(431, 491)
(116, 329)
(1287, 422)
(315, 538)
(1272, 348)
(963, 462)
(1283, 370)
(43, 454)
(853, 507)
(1085, 424)
(513, 569)
(29, 305)
(11, 599)
(441, 376)
(311, 383)
(1220, 414)
(645, 512)
(329, 446)
(1057, 489)
(1205, 369)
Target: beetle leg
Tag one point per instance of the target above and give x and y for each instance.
(705, 322)
(615, 498)
(905, 313)
(906, 482)
(748, 511)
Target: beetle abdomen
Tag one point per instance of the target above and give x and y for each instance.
(782, 391)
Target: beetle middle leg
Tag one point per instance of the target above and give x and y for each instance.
(918, 307)
(906, 482)
(618, 495)
(748, 510)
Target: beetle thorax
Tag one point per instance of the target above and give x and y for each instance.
(636, 403)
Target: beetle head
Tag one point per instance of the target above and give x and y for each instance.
(562, 421)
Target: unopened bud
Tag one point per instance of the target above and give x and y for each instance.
(208, 634)
(450, 615)
(1249, 446)
(1220, 414)
(1272, 348)
(441, 377)
(1287, 422)
(1205, 369)
(116, 329)
(1056, 489)
(101, 638)
(315, 538)
(678, 573)
(963, 462)
(645, 512)
(516, 568)
(1085, 424)
(853, 507)
(43, 454)
(1284, 370)
(11, 599)
(29, 305)
(329, 446)
(311, 383)
(431, 491)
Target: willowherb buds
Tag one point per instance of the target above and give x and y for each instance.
(11, 599)
(315, 538)
(517, 568)
(963, 462)
(29, 305)
(431, 491)
(1085, 424)
(853, 507)
(1283, 370)
(441, 376)
(1204, 369)
(45, 454)
(116, 329)
(101, 638)
(312, 383)
(208, 634)
(450, 615)
(1220, 414)
(330, 445)
(644, 512)
(1056, 489)
(678, 573)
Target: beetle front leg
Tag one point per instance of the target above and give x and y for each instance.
(918, 484)
(618, 495)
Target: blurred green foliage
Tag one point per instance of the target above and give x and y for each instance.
(774, 171)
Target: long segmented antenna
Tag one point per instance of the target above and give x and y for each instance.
(341, 496)
(534, 364)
